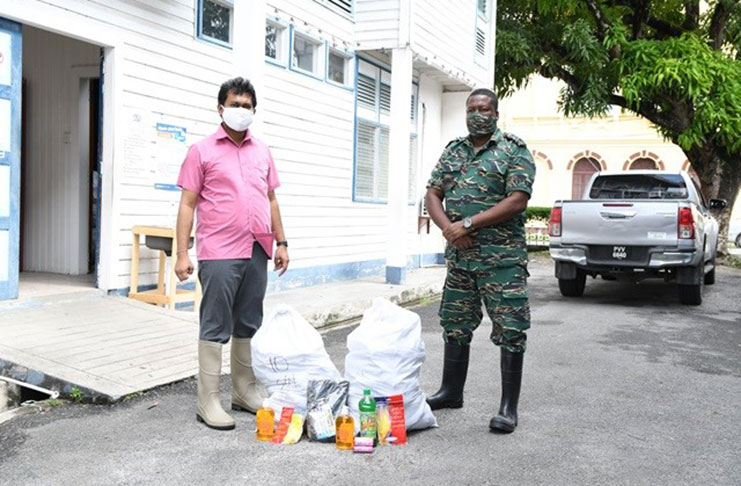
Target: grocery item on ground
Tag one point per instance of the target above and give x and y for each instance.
(399, 428)
(325, 399)
(345, 430)
(295, 430)
(320, 425)
(287, 352)
(363, 444)
(385, 354)
(383, 420)
(265, 422)
(367, 408)
(285, 421)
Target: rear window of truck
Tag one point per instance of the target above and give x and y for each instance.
(639, 186)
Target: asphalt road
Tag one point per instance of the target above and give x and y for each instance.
(622, 386)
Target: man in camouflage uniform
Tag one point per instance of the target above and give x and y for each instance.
(486, 180)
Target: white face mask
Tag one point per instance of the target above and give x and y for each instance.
(238, 119)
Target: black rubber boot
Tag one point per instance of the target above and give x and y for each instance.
(511, 366)
(455, 369)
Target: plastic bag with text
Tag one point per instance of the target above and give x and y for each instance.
(287, 352)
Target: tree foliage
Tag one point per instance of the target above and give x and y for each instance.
(675, 62)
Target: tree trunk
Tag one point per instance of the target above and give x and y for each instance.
(720, 178)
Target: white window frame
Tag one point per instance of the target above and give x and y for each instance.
(380, 121)
(485, 14)
(319, 54)
(282, 49)
(482, 24)
(349, 66)
(199, 22)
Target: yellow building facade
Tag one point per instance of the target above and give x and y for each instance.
(567, 151)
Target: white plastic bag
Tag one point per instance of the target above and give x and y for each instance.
(385, 354)
(287, 352)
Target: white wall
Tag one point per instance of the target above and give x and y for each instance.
(56, 181)
(443, 32)
(377, 23)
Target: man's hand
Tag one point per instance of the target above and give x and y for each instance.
(183, 267)
(281, 260)
(463, 242)
(455, 231)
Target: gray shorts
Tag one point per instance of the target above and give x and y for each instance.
(233, 292)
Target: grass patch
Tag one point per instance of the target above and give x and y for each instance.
(730, 261)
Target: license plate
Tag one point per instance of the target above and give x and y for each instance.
(620, 252)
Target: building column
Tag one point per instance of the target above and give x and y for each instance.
(248, 46)
(398, 171)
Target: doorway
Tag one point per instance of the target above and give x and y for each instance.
(61, 134)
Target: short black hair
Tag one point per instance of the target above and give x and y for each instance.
(486, 92)
(237, 86)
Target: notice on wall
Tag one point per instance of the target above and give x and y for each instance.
(138, 147)
(171, 149)
(153, 151)
(5, 59)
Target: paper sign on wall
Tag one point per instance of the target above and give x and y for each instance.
(6, 60)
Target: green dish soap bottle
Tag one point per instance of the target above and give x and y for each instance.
(367, 408)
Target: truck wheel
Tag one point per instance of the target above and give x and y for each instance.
(690, 294)
(573, 287)
(738, 240)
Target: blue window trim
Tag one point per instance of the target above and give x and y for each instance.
(378, 124)
(318, 76)
(199, 27)
(12, 158)
(287, 34)
(348, 55)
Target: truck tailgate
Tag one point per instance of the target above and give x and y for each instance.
(635, 223)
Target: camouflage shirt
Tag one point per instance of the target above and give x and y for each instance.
(474, 182)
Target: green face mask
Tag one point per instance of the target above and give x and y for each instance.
(479, 124)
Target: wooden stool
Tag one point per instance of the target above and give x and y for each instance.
(158, 296)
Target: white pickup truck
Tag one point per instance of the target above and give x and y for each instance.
(636, 225)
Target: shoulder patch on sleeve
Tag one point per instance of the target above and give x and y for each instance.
(515, 139)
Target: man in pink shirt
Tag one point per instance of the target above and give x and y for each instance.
(229, 178)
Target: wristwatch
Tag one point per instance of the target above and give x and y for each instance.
(282, 243)
(468, 224)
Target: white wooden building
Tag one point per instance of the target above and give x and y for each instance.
(99, 100)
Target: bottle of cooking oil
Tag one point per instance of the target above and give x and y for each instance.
(345, 430)
(265, 422)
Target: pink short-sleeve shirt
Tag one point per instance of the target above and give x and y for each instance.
(232, 182)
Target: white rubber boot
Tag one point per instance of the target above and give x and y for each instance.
(209, 372)
(247, 395)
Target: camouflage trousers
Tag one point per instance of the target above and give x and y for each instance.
(504, 294)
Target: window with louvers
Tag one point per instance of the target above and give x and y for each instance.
(344, 6)
(480, 42)
(367, 91)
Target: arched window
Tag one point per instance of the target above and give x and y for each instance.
(543, 180)
(583, 170)
(644, 164)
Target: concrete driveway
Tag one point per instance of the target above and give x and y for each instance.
(622, 386)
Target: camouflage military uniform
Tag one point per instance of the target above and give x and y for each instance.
(495, 268)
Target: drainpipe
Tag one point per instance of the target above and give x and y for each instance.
(52, 394)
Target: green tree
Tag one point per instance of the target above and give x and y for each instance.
(676, 63)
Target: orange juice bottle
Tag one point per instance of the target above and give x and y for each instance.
(265, 422)
(345, 430)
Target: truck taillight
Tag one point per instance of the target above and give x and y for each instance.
(554, 222)
(686, 224)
